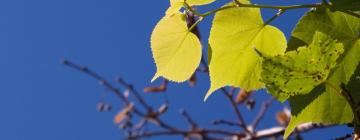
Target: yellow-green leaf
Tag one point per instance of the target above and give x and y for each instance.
(324, 104)
(177, 51)
(233, 38)
(175, 5)
(174, 8)
(299, 71)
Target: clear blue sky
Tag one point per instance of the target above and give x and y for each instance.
(43, 100)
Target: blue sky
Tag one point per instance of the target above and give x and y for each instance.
(43, 100)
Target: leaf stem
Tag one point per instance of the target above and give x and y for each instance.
(351, 13)
(189, 8)
(316, 5)
(279, 13)
(238, 4)
(195, 24)
(338, 91)
(356, 113)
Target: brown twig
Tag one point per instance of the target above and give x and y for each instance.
(236, 110)
(136, 93)
(150, 115)
(188, 118)
(279, 131)
(264, 107)
(225, 122)
(203, 133)
(347, 136)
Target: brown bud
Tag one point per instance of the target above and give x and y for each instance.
(123, 114)
(192, 80)
(242, 96)
(160, 88)
(282, 118)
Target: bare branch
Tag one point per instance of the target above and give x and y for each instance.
(136, 93)
(279, 131)
(236, 110)
(225, 122)
(264, 107)
(188, 118)
(347, 136)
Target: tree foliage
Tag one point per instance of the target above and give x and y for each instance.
(317, 71)
(234, 36)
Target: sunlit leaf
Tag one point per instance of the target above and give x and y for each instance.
(324, 104)
(298, 72)
(176, 50)
(233, 38)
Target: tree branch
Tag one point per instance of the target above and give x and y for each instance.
(278, 131)
(264, 107)
(238, 4)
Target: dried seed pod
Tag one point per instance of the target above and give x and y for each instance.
(242, 96)
(123, 114)
(282, 118)
(160, 88)
(192, 80)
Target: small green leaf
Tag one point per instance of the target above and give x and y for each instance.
(176, 50)
(298, 72)
(325, 105)
(234, 36)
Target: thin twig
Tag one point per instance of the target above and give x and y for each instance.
(264, 107)
(279, 13)
(344, 137)
(136, 93)
(236, 110)
(149, 115)
(351, 13)
(188, 118)
(225, 122)
(238, 4)
(101, 80)
(170, 130)
(278, 131)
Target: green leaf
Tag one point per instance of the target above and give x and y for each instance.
(176, 50)
(324, 104)
(338, 25)
(176, 5)
(298, 72)
(234, 36)
(346, 4)
(353, 86)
